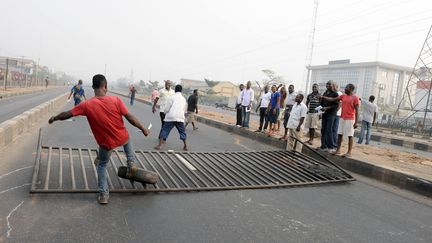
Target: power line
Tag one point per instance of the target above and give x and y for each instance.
(362, 14)
(277, 41)
(369, 29)
(283, 40)
(284, 60)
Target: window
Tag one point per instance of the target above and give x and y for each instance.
(384, 74)
(395, 88)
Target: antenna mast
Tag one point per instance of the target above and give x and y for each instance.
(309, 53)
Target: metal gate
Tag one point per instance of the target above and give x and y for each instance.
(67, 170)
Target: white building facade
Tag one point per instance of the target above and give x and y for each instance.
(387, 82)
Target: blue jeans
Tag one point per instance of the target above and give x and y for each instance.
(245, 115)
(327, 131)
(168, 125)
(365, 127)
(77, 101)
(335, 130)
(132, 100)
(104, 156)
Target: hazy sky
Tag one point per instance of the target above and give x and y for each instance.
(219, 39)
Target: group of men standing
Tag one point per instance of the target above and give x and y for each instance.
(275, 107)
(338, 112)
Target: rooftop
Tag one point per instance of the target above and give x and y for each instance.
(348, 64)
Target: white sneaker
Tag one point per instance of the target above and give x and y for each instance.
(332, 151)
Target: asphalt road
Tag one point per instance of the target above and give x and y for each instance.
(13, 106)
(350, 212)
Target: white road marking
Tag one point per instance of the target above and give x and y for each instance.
(185, 162)
(11, 172)
(7, 219)
(13, 188)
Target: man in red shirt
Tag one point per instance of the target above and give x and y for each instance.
(349, 116)
(105, 117)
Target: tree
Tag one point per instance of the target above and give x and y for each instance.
(153, 84)
(272, 77)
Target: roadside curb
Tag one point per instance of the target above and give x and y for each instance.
(399, 142)
(4, 96)
(406, 134)
(12, 128)
(401, 180)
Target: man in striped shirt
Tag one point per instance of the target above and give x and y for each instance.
(312, 117)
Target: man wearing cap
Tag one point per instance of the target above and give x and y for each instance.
(162, 98)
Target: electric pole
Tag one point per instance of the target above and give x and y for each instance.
(419, 87)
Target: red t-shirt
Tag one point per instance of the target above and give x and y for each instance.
(105, 116)
(348, 106)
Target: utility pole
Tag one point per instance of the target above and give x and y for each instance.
(310, 48)
(6, 75)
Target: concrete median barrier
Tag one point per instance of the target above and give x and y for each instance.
(12, 128)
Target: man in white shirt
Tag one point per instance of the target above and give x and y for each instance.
(174, 109)
(295, 122)
(263, 104)
(239, 107)
(247, 99)
(368, 120)
(161, 98)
